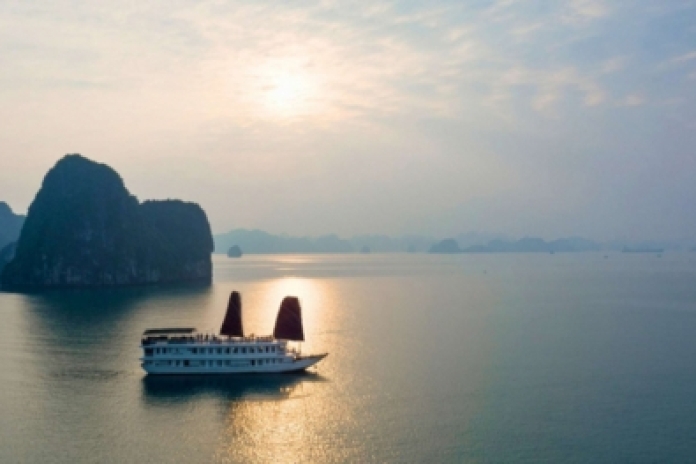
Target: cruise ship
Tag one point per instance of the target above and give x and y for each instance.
(184, 350)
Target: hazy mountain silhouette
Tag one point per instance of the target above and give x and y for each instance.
(448, 245)
(535, 245)
(386, 244)
(260, 242)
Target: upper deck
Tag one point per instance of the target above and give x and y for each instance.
(183, 336)
(170, 331)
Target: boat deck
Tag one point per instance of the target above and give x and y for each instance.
(150, 337)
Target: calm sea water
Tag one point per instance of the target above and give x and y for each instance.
(468, 358)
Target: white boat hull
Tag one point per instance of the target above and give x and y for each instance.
(230, 366)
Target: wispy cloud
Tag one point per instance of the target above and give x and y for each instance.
(379, 59)
(684, 58)
(526, 30)
(633, 100)
(442, 88)
(613, 65)
(586, 10)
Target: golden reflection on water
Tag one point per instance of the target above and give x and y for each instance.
(294, 259)
(268, 430)
(287, 425)
(291, 425)
(314, 299)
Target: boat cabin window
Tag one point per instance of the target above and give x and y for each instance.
(234, 350)
(227, 351)
(244, 350)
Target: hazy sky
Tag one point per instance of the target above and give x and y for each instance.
(527, 117)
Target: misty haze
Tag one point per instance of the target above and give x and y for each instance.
(322, 231)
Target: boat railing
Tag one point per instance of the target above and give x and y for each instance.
(204, 338)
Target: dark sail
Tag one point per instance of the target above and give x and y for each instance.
(289, 322)
(232, 325)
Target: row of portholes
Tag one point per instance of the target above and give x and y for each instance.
(218, 363)
(236, 350)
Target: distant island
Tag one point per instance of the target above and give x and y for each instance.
(525, 245)
(536, 245)
(260, 242)
(627, 249)
(234, 252)
(446, 246)
(84, 229)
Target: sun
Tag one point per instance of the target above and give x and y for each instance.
(284, 90)
(290, 94)
(288, 91)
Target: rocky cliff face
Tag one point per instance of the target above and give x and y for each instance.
(183, 240)
(85, 229)
(10, 225)
(7, 254)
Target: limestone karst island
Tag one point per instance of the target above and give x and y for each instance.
(84, 229)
